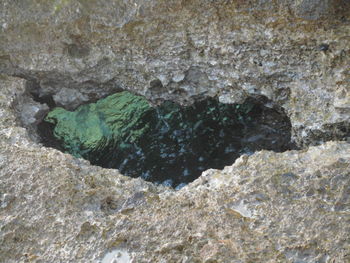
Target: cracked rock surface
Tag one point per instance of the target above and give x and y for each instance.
(268, 207)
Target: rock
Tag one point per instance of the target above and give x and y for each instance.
(314, 9)
(32, 113)
(70, 98)
(267, 207)
(183, 51)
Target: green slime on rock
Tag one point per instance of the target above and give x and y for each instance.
(93, 127)
(168, 143)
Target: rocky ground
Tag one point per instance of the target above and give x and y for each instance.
(269, 207)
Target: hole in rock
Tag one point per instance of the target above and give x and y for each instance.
(168, 144)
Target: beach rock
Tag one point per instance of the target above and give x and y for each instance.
(268, 207)
(296, 53)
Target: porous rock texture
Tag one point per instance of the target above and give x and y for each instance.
(295, 52)
(268, 207)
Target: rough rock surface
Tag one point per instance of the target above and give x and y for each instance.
(294, 52)
(268, 207)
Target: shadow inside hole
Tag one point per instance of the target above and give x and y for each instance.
(168, 144)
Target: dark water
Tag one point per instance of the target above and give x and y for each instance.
(185, 141)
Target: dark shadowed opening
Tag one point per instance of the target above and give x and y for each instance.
(171, 144)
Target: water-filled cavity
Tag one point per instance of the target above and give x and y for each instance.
(168, 144)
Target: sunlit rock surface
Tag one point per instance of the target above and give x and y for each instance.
(269, 207)
(294, 52)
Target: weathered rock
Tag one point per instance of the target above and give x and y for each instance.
(32, 113)
(182, 50)
(314, 9)
(268, 207)
(70, 98)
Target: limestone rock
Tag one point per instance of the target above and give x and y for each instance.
(184, 50)
(32, 113)
(70, 98)
(268, 207)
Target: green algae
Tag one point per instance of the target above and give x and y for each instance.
(167, 144)
(93, 127)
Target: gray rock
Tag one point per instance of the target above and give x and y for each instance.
(267, 207)
(314, 9)
(184, 51)
(69, 98)
(32, 112)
